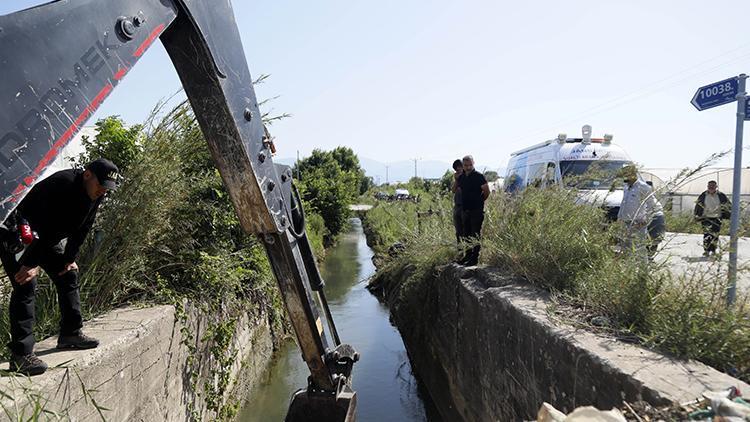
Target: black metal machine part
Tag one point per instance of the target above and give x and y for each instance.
(59, 62)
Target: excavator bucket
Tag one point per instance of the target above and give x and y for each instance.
(308, 406)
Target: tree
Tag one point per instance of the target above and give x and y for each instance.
(446, 182)
(113, 141)
(491, 175)
(347, 159)
(365, 184)
(330, 182)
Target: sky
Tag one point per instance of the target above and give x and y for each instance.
(438, 79)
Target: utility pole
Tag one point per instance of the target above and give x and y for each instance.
(386, 174)
(736, 186)
(415, 166)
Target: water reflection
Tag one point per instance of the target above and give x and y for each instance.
(386, 388)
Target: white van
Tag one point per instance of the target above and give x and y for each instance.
(589, 164)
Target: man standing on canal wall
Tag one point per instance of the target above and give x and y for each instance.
(711, 207)
(474, 191)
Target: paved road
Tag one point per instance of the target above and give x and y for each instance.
(684, 254)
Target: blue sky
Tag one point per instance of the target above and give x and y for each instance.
(438, 79)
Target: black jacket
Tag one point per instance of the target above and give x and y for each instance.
(58, 208)
(726, 206)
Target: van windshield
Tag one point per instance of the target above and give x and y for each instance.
(591, 174)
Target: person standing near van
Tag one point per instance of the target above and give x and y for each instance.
(458, 224)
(711, 207)
(637, 203)
(474, 191)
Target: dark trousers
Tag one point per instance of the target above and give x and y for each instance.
(22, 301)
(458, 221)
(472, 226)
(656, 229)
(711, 228)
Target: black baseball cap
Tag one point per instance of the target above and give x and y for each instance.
(105, 171)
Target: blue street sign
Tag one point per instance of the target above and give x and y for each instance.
(716, 94)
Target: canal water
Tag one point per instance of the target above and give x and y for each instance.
(386, 388)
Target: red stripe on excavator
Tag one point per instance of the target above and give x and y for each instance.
(121, 73)
(147, 42)
(85, 114)
(62, 140)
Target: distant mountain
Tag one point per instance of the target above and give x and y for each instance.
(288, 161)
(401, 171)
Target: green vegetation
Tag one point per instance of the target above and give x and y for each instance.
(546, 239)
(114, 140)
(330, 181)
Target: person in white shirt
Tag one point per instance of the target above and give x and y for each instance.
(711, 207)
(636, 210)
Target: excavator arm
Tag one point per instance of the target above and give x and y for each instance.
(59, 62)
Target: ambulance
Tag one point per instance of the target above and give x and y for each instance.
(589, 165)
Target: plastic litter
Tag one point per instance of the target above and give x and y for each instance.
(713, 406)
(548, 413)
(725, 405)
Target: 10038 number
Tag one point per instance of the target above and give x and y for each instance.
(717, 90)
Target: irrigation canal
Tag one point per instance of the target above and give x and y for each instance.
(383, 380)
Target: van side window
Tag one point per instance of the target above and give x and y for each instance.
(536, 174)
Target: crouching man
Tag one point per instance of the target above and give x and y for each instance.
(62, 206)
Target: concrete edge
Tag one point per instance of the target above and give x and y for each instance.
(667, 378)
(138, 373)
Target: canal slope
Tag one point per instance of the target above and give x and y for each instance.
(386, 388)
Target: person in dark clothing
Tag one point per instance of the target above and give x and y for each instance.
(711, 207)
(474, 191)
(458, 170)
(62, 206)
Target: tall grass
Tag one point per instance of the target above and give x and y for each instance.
(553, 243)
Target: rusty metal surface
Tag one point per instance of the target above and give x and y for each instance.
(205, 47)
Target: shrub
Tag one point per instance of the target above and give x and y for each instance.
(330, 182)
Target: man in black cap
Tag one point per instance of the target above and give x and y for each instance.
(62, 206)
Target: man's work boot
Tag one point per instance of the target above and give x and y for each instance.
(78, 341)
(27, 364)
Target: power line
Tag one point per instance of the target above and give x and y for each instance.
(644, 91)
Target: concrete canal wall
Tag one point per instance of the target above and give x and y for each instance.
(148, 367)
(486, 349)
